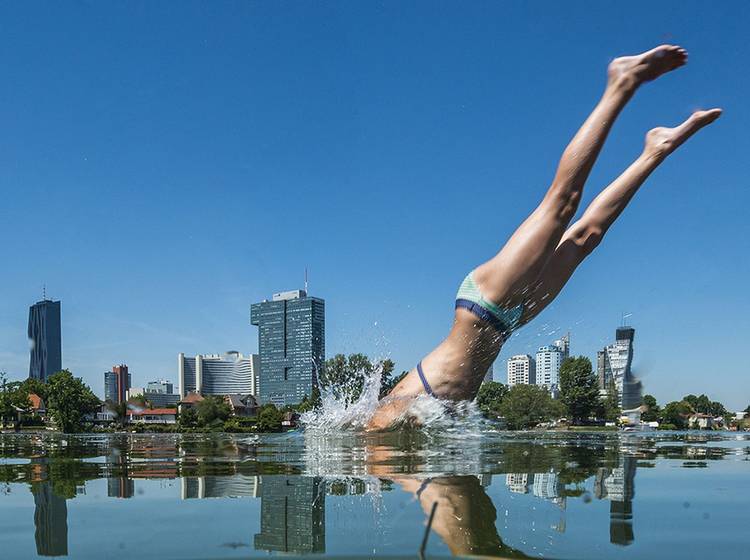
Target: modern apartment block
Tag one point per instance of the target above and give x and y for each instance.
(161, 393)
(45, 338)
(214, 374)
(291, 343)
(160, 386)
(548, 362)
(117, 384)
(521, 370)
(613, 365)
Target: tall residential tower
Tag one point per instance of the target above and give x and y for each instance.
(521, 370)
(614, 364)
(45, 339)
(291, 343)
(117, 384)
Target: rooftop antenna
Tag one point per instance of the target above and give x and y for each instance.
(44, 292)
(625, 316)
(305, 279)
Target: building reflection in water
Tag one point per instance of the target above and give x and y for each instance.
(618, 486)
(292, 514)
(229, 486)
(292, 507)
(119, 483)
(50, 521)
(544, 485)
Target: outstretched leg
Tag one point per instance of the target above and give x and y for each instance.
(506, 278)
(584, 235)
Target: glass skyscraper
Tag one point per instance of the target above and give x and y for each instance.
(45, 338)
(292, 515)
(614, 365)
(117, 384)
(291, 342)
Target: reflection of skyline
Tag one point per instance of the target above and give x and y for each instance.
(545, 485)
(292, 514)
(50, 521)
(119, 484)
(618, 485)
(228, 486)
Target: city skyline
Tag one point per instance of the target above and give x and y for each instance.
(344, 149)
(600, 363)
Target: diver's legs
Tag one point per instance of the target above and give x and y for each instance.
(585, 234)
(506, 277)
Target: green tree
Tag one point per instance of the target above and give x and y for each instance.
(652, 411)
(525, 406)
(309, 403)
(490, 397)
(345, 376)
(13, 399)
(388, 384)
(704, 405)
(700, 404)
(610, 404)
(212, 411)
(718, 409)
(676, 413)
(35, 386)
(140, 401)
(69, 399)
(579, 388)
(188, 418)
(269, 418)
(120, 412)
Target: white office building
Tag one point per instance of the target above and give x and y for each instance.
(160, 386)
(548, 362)
(214, 374)
(521, 370)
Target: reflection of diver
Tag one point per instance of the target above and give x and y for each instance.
(50, 520)
(465, 515)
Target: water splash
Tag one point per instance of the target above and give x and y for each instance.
(340, 408)
(344, 408)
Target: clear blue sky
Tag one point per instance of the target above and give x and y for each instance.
(164, 165)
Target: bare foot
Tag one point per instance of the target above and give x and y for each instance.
(632, 71)
(660, 142)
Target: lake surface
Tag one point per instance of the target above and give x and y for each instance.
(530, 494)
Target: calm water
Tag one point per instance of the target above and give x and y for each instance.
(586, 495)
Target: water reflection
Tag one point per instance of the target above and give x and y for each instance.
(293, 476)
(50, 521)
(618, 486)
(464, 517)
(292, 515)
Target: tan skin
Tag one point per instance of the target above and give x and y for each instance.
(464, 517)
(542, 254)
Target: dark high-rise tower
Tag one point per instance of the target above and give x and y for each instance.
(291, 344)
(45, 338)
(117, 384)
(292, 514)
